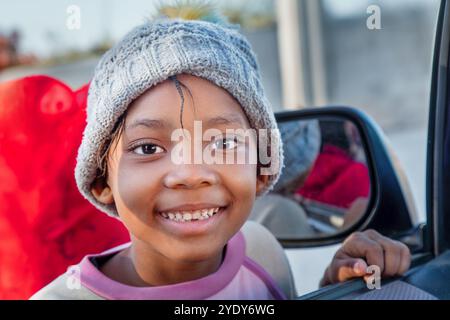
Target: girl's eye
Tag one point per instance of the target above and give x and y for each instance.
(225, 143)
(147, 149)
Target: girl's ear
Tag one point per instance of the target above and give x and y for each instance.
(102, 192)
(261, 182)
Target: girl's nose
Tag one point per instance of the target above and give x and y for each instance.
(190, 176)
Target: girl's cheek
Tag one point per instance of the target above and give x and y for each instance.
(241, 180)
(137, 187)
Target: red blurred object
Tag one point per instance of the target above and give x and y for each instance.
(45, 223)
(336, 179)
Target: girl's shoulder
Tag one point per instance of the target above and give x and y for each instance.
(68, 286)
(264, 249)
(65, 287)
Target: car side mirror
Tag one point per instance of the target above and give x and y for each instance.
(340, 176)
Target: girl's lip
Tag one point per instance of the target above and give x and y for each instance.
(193, 227)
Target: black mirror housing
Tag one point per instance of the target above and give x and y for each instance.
(391, 209)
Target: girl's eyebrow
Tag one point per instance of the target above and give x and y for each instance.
(228, 119)
(159, 124)
(149, 123)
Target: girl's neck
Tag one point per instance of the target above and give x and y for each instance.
(142, 266)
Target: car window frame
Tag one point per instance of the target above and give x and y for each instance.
(437, 204)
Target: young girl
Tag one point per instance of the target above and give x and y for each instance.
(187, 222)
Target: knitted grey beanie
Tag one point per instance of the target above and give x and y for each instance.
(301, 145)
(150, 54)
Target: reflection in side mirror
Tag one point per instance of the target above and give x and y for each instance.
(325, 186)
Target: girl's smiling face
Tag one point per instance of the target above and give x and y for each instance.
(147, 187)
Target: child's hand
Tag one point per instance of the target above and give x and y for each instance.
(363, 249)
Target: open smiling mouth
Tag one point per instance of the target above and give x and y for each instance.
(194, 215)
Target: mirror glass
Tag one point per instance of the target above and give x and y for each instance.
(325, 185)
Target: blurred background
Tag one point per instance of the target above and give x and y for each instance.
(311, 53)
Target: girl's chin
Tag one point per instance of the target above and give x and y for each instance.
(198, 253)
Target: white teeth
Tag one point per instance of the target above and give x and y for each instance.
(190, 215)
(197, 214)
